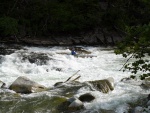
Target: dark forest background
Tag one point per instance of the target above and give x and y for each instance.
(54, 17)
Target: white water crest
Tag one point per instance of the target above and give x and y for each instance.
(62, 65)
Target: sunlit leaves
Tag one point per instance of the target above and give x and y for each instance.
(137, 44)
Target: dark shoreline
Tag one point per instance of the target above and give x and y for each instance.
(88, 39)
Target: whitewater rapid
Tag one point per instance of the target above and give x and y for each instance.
(62, 65)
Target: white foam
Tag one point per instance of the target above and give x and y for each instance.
(105, 65)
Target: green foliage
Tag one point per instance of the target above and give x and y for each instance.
(137, 46)
(8, 26)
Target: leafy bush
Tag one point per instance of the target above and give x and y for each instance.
(137, 46)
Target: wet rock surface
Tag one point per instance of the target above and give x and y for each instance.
(104, 86)
(8, 49)
(24, 85)
(86, 97)
(71, 105)
(37, 58)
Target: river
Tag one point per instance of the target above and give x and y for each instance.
(48, 65)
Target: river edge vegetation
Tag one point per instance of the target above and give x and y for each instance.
(34, 18)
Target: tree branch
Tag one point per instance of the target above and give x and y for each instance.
(126, 61)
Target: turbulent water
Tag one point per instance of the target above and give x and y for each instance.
(48, 65)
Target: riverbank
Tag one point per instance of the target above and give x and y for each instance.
(98, 37)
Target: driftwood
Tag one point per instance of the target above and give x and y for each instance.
(59, 83)
(71, 76)
(76, 78)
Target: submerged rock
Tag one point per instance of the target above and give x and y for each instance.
(24, 85)
(148, 103)
(146, 82)
(5, 96)
(138, 109)
(126, 79)
(71, 105)
(8, 49)
(37, 58)
(58, 84)
(76, 105)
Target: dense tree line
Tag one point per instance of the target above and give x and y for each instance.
(43, 17)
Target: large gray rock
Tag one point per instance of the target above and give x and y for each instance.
(104, 85)
(24, 85)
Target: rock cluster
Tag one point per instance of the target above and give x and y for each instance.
(24, 85)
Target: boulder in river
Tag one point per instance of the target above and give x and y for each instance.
(24, 85)
(71, 105)
(36, 58)
(76, 105)
(86, 97)
(104, 85)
